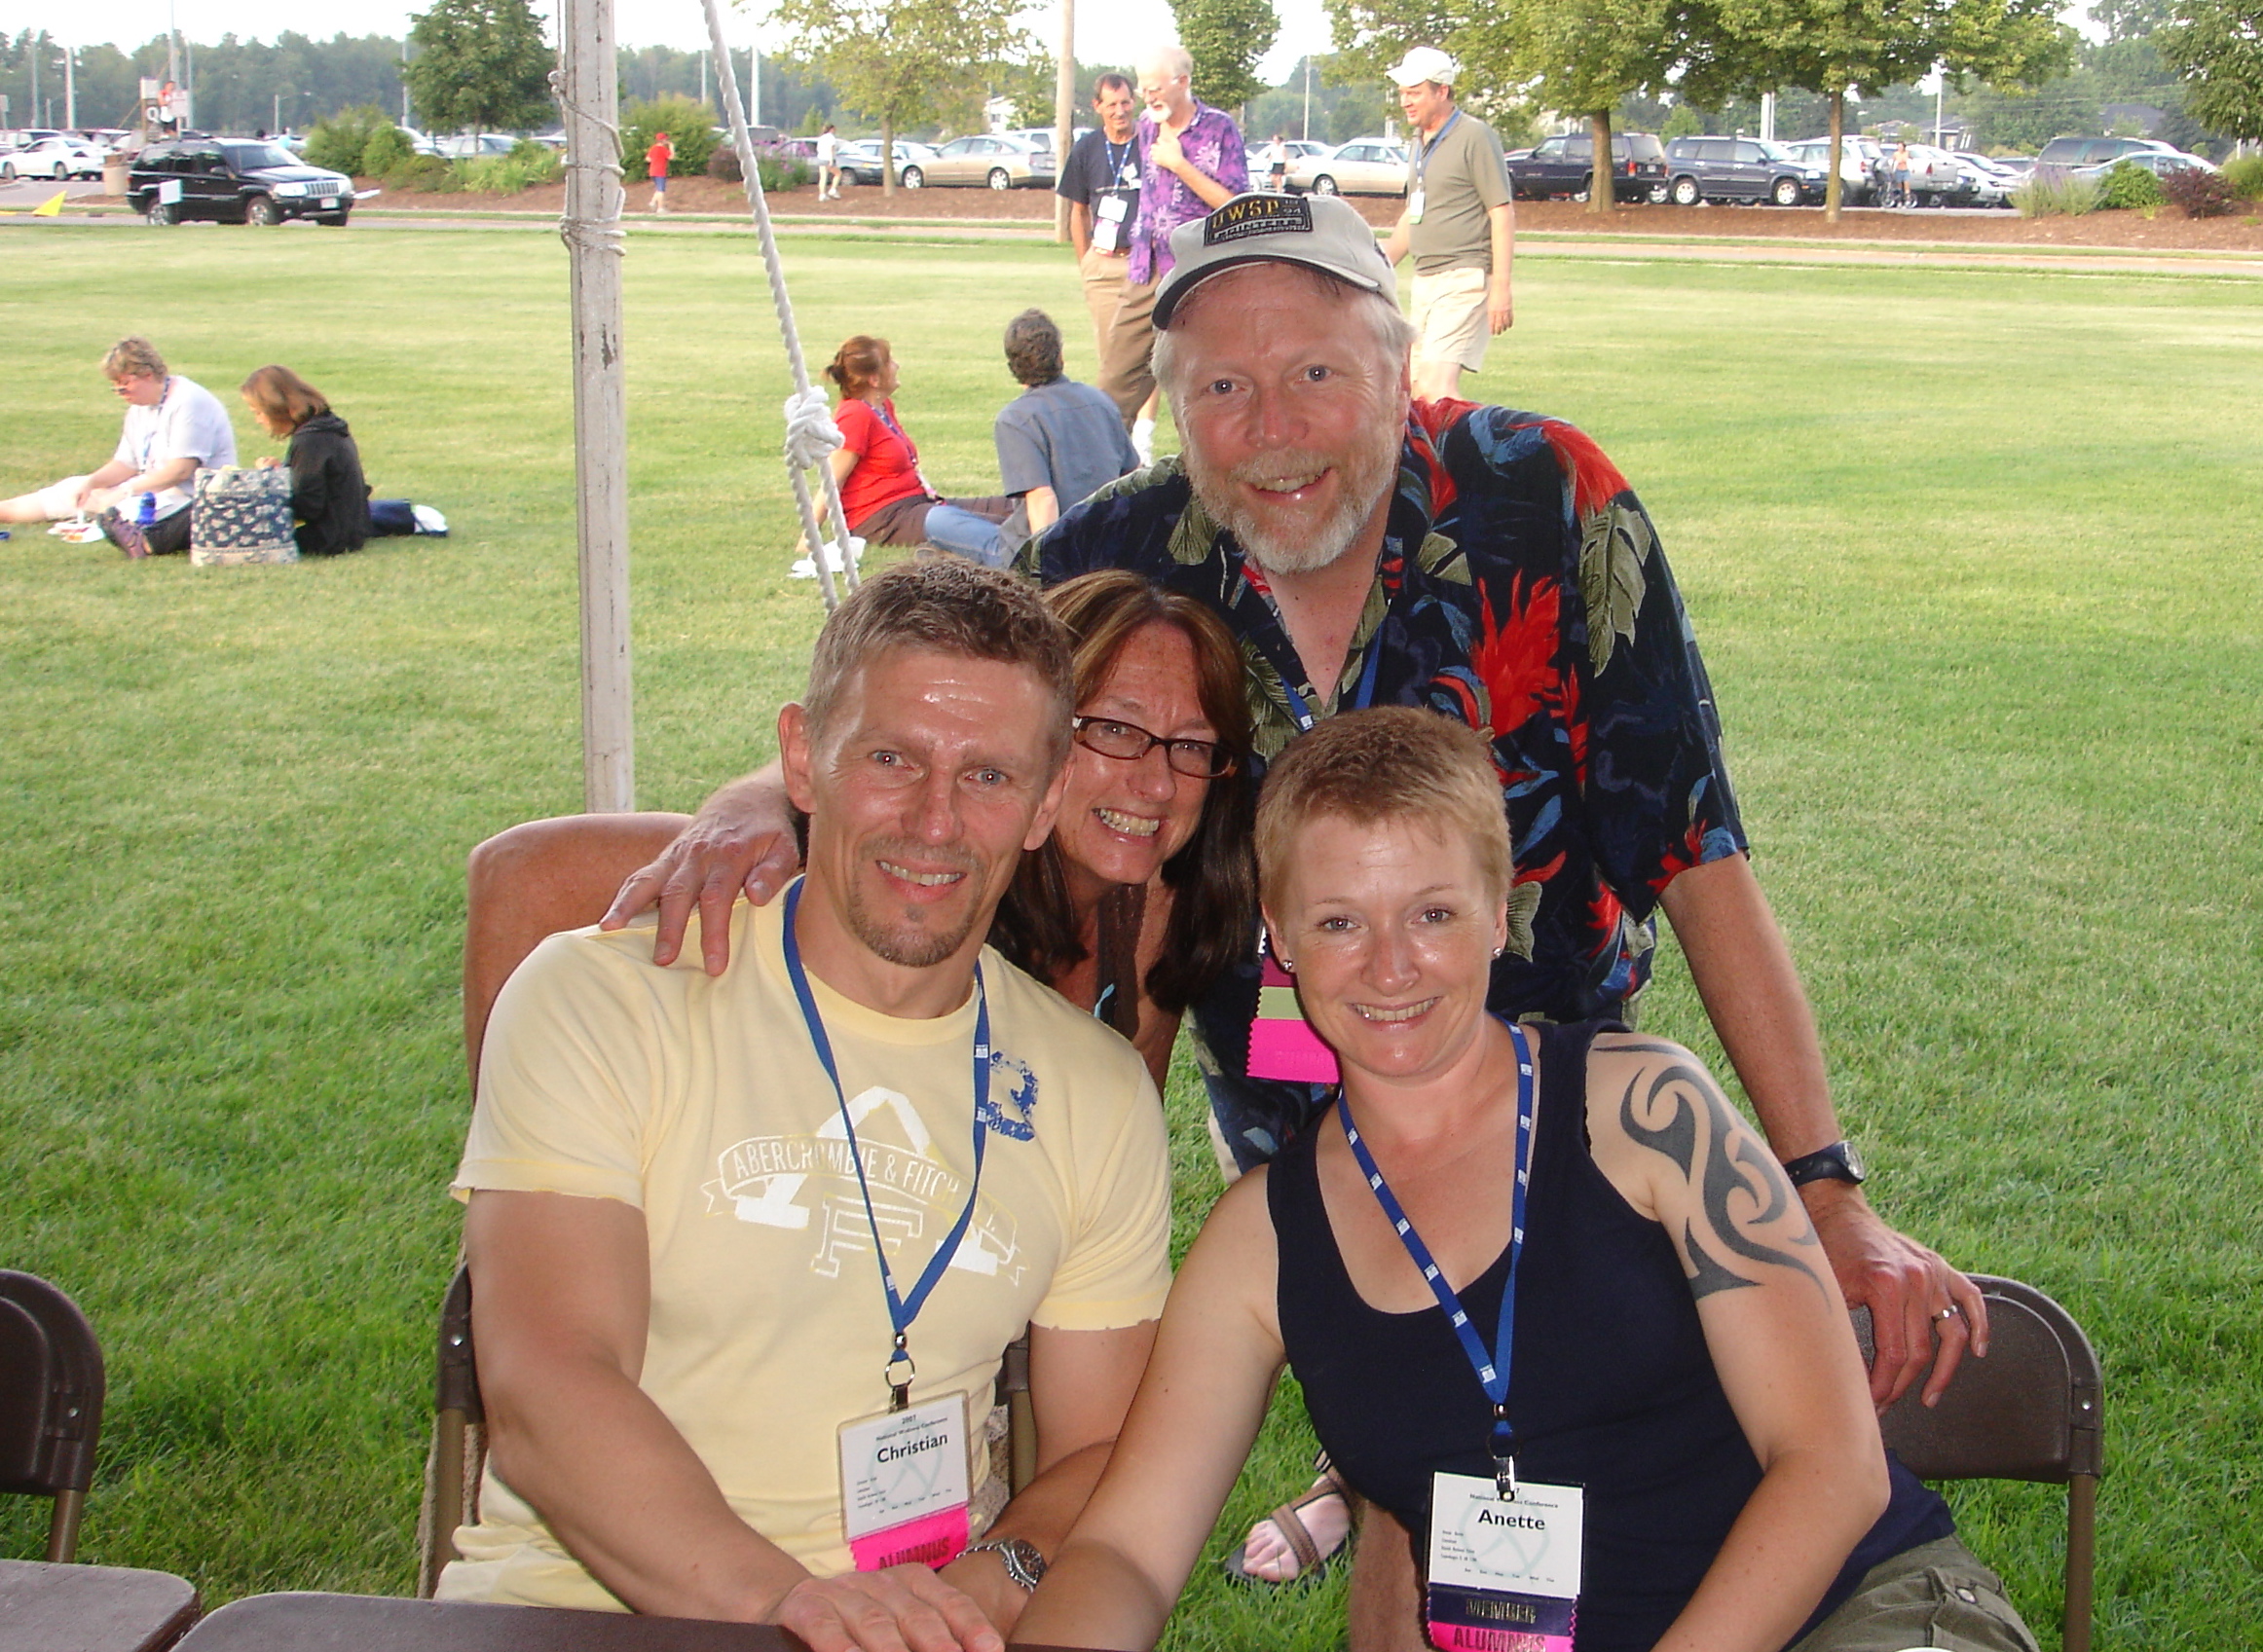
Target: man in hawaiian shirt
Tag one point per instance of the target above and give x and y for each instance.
(1191, 160)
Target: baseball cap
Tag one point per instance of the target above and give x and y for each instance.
(1424, 64)
(1320, 232)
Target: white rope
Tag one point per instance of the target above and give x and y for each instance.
(605, 233)
(838, 552)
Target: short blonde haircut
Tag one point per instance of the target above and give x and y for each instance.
(133, 358)
(1389, 763)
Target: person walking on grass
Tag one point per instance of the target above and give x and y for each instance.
(828, 164)
(1460, 223)
(656, 161)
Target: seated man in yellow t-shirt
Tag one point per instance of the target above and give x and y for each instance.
(706, 1212)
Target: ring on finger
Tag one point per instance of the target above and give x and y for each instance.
(1951, 1312)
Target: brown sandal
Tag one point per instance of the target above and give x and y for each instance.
(1310, 1564)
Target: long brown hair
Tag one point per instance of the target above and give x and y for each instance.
(1213, 876)
(284, 398)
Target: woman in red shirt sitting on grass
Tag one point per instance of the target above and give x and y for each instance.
(886, 500)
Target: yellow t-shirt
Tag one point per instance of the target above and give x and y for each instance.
(701, 1102)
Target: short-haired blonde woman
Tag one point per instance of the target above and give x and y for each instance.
(329, 495)
(1544, 1290)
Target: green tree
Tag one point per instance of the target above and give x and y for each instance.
(2217, 47)
(483, 66)
(1225, 38)
(1581, 56)
(1826, 46)
(905, 63)
(690, 125)
(341, 141)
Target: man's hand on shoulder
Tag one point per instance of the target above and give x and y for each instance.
(741, 839)
(901, 1609)
(1905, 1287)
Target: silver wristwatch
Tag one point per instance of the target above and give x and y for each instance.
(1024, 1564)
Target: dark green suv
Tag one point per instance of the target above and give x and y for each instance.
(236, 181)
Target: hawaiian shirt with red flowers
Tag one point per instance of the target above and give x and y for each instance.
(1522, 588)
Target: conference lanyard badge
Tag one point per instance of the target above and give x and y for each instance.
(904, 1480)
(1505, 1570)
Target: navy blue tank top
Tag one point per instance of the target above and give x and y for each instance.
(1612, 1390)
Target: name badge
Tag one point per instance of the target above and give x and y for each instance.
(1111, 208)
(1281, 1044)
(1414, 205)
(1107, 235)
(1504, 1575)
(904, 1484)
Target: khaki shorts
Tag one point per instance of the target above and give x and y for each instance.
(1449, 319)
(1935, 1594)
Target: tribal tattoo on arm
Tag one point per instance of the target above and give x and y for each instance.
(1740, 1189)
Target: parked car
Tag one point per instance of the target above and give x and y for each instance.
(860, 161)
(55, 158)
(1299, 148)
(1988, 184)
(1739, 169)
(1042, 137)
(2080, 151)
(1565, 165)
(476, 147)
(1367, 165)
(1859, 162)
(1938, 177)
(235, 181)
(985, 158)
(2160, 163)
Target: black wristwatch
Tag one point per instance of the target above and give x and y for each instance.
(1837, 1163)
(1024, 1564)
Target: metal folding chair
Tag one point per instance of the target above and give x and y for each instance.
(532, 881)
(51, 1403)
(2033, 1409)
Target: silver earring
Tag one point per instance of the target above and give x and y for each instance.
(1498, 950)
(1285, 963)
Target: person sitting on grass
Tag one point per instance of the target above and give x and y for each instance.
(1059, 442)
(886, 500)
(329, 498)
(173, 427)
(1552, 1302)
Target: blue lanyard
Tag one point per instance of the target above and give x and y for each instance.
(1301, 709)
(1422, 150)
(901, 1310)
(156, 424)
(1118, 154)
(1492, 1370)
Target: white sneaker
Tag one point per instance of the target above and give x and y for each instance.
(1143, 440)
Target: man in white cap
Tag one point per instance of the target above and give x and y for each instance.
(1460, 223)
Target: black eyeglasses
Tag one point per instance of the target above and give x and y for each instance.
(1128, 741)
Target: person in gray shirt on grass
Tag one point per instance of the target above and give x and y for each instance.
(1059, 442)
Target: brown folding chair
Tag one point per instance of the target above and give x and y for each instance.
(522, 885)
(2032, 1409)
(51, 1403)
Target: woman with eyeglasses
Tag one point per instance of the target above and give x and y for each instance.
(1146, 891)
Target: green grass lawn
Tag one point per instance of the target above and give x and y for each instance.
(1973, 555)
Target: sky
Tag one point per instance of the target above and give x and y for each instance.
(1109, 31)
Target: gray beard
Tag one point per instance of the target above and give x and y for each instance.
(1367, 475)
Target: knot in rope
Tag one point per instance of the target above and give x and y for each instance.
(810, 432)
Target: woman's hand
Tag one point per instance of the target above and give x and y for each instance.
(268, 463)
